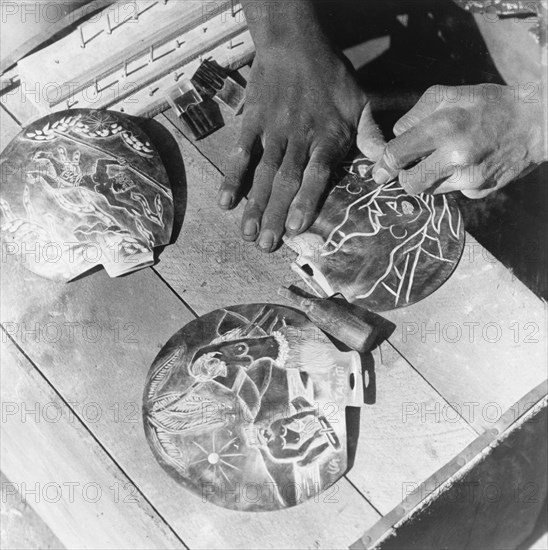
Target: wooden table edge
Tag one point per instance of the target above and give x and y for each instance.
(529, 405)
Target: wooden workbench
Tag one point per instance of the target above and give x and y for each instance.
(463, 374)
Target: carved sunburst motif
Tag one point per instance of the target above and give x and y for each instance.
(98, 121)
(216, 463)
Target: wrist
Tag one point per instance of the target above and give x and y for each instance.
(284, 25)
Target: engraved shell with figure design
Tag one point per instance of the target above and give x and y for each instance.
(83, 188)
(245, 407)
(379, 246)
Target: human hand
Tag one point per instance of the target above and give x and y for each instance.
(473, 138)
(303, 105)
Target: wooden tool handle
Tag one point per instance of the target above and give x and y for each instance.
(335, 317)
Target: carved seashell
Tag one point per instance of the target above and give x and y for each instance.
(378, 246)
(80, 210)
(246, 421)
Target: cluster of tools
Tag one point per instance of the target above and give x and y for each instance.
(195, 100)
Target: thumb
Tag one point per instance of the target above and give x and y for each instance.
(370, 140)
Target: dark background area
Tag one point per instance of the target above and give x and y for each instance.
(436, 42)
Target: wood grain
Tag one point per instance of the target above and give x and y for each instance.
(46, 449)
(480, 339)
(406, 435)
(134, 66)
(119, 32)
(21, 104)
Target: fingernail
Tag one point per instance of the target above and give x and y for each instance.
(295, 220)
(266, 240)
(381, 176)
(225, 200)
(250, 228)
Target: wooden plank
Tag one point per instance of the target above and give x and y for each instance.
(25, 101)
(22, 527)
(480, 339)
(119, 33)
(8, 128)
(406, 435)
(53, 461)
(136, 64)
(95, 339)
(25, 28)
(21, 103)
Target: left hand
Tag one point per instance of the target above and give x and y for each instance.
(470, 138)
(304, 137)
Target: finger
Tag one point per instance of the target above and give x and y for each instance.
(238, 165)
(285, 186)
(315, 182)
(260, 193)
(409, 147)
(370, 140)
(430, 174)
(437, 175)
(424, 107)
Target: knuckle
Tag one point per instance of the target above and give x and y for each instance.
(270, 164)
(407, 121)
(338, 134)
(307, 205)
(435, 94)
(273, 219)
(462, 157)
(242, 149)
(304, 130)
(267, 169)
(287, 186)
(318, 172)
(289, 177)
(253, 208)
(456, 121)
(235, 164)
